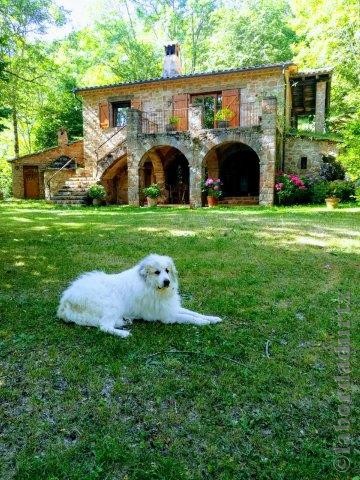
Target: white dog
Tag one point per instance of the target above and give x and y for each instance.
(148, 291)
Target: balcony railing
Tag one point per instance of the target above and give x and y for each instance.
(161, 121)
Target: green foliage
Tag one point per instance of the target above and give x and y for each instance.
(350, 151)
(343, 189)
(319, 191)
(224, 115)
(153, 191)
(174, 120)
(5, 179)
(60, 109)
(97, 191)
(291, 189)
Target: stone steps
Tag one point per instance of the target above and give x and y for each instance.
(250, 200)
(74, 190)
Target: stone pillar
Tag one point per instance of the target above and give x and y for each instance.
(133, 179)
(320, 107)
(134, 128)
(268, 151)
(195, 169)
(195, 118)
(134, 122)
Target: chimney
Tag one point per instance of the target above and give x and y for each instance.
(62, 137)
(172, 64)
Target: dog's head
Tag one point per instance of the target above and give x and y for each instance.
(159, 272)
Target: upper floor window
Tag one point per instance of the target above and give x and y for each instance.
(119, 113)
(211, 103)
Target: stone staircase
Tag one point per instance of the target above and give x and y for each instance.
(73, 192)
(251, 200)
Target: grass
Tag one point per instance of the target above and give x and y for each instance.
(255, 397)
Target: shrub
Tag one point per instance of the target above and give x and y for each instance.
(291, 189)
(319, 191)
(331, 170)
(342, 189)
(97, 191)
(153, 191)
(5, 179)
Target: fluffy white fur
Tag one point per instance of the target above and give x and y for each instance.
(148, 291)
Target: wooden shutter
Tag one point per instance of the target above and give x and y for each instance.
(180, 109)
(104, 115)
(136, 103)
(230, 99)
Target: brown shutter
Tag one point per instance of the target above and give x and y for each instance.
(180, 109)
(136, 103)
(230, 99)
(104, 115)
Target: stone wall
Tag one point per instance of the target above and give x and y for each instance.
(312, 149)
(42, 160)
(157, 96)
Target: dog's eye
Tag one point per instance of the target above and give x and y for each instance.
(157, 272)
(166, 270)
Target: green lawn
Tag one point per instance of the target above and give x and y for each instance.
(254, 397)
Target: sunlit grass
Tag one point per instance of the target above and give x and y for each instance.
(80, 404)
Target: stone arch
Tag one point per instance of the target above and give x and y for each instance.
(208, 142)
(108, 160)
(167, 166)
(238, 166)
(176, 141)
(115, 180)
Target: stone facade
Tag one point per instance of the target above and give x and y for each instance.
(313, 150)
(127, 158)
(42, 160)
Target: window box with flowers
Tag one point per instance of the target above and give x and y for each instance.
(212, 188)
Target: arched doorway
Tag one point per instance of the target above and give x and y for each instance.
(238, 167)
(169, 168)
(115, 180)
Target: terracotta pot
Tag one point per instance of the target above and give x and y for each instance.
(332, 202)
(212, 201)
(151, 202)
(223, 123)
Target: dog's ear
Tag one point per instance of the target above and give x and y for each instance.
(173, 270)
(143, 270)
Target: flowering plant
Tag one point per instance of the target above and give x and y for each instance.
(290, 188)
(212, 187)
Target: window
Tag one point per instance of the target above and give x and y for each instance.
(211, 103)
(119, 113)
(303, 163)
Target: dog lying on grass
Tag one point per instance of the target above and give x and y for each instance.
(148, 291)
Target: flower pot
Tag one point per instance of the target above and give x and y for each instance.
(223, 123)
(170, 127)
(151, 202)
(97, 201)
(332, 202)
(212, 201)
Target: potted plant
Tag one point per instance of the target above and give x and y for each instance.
(152, 194)
(212, 188)
(97, 193)
(339, 190)
(223, 117)
(173, 123)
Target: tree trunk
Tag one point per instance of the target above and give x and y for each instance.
(16, 131)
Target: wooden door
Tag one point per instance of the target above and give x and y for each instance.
(31, 182)
(231, 100)
(180, 110)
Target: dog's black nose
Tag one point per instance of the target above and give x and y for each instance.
(166, 283)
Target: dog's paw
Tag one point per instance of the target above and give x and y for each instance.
(122, 333)
(214, 319)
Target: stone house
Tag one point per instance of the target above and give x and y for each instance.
(167, 131)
